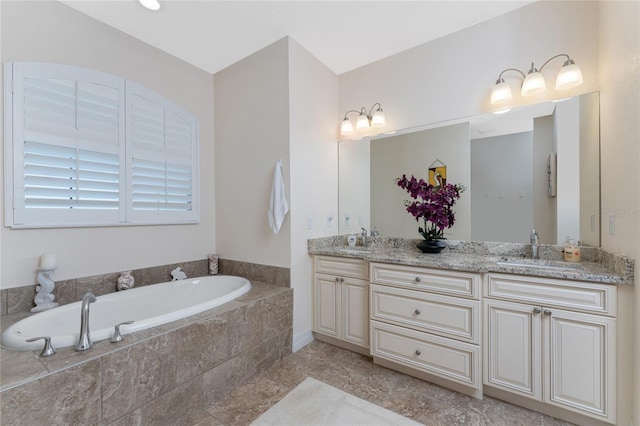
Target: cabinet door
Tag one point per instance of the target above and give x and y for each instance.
(327, 305)
(580, 362)
(356, 311)
(513, 352)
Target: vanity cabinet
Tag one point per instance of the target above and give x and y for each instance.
(341, 300)
(427, 321)
(552, 341)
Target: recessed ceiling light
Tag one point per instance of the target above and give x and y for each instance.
(150, 4)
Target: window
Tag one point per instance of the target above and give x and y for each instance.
(83, 148)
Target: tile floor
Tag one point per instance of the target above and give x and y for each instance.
(356, 374)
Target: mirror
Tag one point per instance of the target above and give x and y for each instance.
(534, 167)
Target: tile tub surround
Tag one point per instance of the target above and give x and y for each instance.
(597, 266)
(20, 299)
(161, 375)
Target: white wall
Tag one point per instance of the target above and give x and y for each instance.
(412, 154)
(502, 188)
(544, 208)
(619, 50)
(313, 105)
(567, 127)
(252, 133)
(53, 32)
(279, 102)
(355, 185)
(590, 169)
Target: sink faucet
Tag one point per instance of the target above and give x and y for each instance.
(374, 232)
(364, 236)
(84, 341)
(535, 244)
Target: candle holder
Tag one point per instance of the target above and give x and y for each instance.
(44, 299)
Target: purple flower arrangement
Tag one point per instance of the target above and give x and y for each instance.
(433, 205)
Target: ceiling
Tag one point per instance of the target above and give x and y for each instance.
(344, 35)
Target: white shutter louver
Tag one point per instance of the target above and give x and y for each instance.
(66, 178)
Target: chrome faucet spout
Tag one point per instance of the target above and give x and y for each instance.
(534, 239)
(364, 236)
(84, 341)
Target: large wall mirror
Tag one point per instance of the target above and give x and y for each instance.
(534, 167)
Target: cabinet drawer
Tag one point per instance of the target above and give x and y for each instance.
(342, 266)
(450, 359)
(575, 295)
(434, 280)
(447, 316)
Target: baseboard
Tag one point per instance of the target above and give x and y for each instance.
(301, 340)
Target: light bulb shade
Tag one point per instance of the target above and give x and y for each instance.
(363, 121)
(150, 4)
(378, 119)
(346, 128)
(501, 93)
(533, 84)
(569, 76)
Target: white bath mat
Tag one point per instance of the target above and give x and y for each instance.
(315, 403)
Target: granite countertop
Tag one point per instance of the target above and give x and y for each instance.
(598, 266)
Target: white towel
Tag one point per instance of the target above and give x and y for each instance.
(278, 206)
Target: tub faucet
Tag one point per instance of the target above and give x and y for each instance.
(84, 341)
(535, 244)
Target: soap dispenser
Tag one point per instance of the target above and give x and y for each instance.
(571, 250)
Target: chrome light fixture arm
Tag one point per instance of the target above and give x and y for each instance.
(569, 61)
(501, 80)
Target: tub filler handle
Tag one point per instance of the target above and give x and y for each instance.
(48, 349)
(117, 336)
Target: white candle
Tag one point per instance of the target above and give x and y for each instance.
(48, 261)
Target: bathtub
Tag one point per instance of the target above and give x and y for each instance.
(148, 306)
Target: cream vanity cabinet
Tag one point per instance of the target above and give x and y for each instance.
(552, 341)
(341, 301)
(426, 322)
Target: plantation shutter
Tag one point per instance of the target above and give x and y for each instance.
(84, 148)
(68, 146)
(162, 159)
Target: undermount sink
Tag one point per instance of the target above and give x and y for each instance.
(354, 250)
(541, 264)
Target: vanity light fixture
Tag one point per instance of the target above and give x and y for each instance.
(365, 120)
(533, 83)
(150, 4)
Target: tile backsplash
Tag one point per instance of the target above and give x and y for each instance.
(20, 299)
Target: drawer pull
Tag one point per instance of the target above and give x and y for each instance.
(547, 312)
(417, 311)
(417, 352)
(337, 279)
(537, 310)
(417, 279)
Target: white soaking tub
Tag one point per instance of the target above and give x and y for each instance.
(148, 306)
